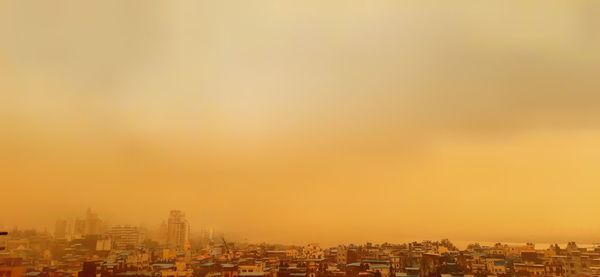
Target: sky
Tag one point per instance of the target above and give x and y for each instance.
(304, 121)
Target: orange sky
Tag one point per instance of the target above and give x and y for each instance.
(328, 121)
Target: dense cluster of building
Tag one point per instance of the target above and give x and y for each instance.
(91, 248)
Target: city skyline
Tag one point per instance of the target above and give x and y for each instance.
(165, 237)
(169, 233)
(124, 251)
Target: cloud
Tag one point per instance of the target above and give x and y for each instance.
(295, 110)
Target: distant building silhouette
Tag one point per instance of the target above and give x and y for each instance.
(178, 230)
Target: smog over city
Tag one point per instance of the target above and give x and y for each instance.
(299, 138)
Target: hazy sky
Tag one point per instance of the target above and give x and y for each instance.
(297, 121)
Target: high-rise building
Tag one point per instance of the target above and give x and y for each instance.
(178, 230)
(78, 228)
(104, 244)
(75, 229)
(60, 231)
(163, 232)
(125, 237)
(93, 224)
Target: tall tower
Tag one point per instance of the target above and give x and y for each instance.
(60, 231)
(178, 230)
(93, 224)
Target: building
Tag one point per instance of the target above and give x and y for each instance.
(92, 224)
(78, 228)
(430, 263)
(313, 251)
(104, 244)
(126, 237)
(178, 230)
(12, 267)
(90, 269)
(529, 269)
(341, 257)
(495, 266)
(60, 230)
